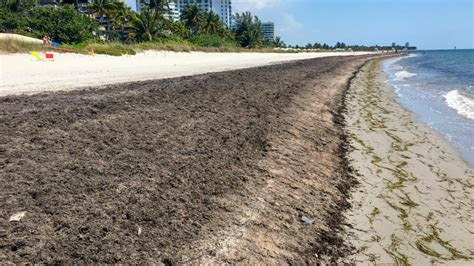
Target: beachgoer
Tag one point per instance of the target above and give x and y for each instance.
(46, 41)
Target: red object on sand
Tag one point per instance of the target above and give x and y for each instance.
(49, 56)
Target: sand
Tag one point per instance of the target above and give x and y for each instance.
(22, 73)
(415, 201)
(210, 169)
(21, 38)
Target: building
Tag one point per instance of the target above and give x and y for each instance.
(223, 8)
(268, 29)
(172, 14)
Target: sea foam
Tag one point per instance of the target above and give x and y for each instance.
(462, 104)
(402, 75)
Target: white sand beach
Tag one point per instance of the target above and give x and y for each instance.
(22, 73)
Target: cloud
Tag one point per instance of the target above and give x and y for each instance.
(289, 23)
(249, 5)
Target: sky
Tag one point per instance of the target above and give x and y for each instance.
(427, 24)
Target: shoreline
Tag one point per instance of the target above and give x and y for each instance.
(413, 201)
(446, 120)
(390, 92)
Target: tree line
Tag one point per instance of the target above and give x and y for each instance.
(74, 21)
(343, 46)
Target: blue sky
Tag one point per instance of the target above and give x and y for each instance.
(428, 24)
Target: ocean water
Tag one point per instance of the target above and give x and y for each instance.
(438, 86)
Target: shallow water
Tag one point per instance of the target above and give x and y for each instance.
(438, 86)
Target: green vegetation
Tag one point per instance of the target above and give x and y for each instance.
(105, 23)
(248, 30)
(110, 27)
(15, 46)
(343, 46)
(63, 25)
(211, 41)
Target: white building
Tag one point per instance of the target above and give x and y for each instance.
(223, 8)
(268, 29)
(171, 14)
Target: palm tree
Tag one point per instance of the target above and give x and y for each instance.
(177, 28)
(213, 24)
(251, 38)
(145, 26)
(157, 5)
(122, 16)
(192, 17)
(104, 10)
(248, 30)
(278, 42)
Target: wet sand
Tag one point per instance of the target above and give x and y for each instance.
(414, 204)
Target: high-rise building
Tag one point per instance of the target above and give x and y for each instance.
(268, 29)
(223, 8)
(172, 13)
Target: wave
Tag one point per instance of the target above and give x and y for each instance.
(461, 103)
(402, 75)
(397, 59)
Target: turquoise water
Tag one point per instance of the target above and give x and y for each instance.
(438, 86)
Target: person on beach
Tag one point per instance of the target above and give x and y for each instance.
(46, 41)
